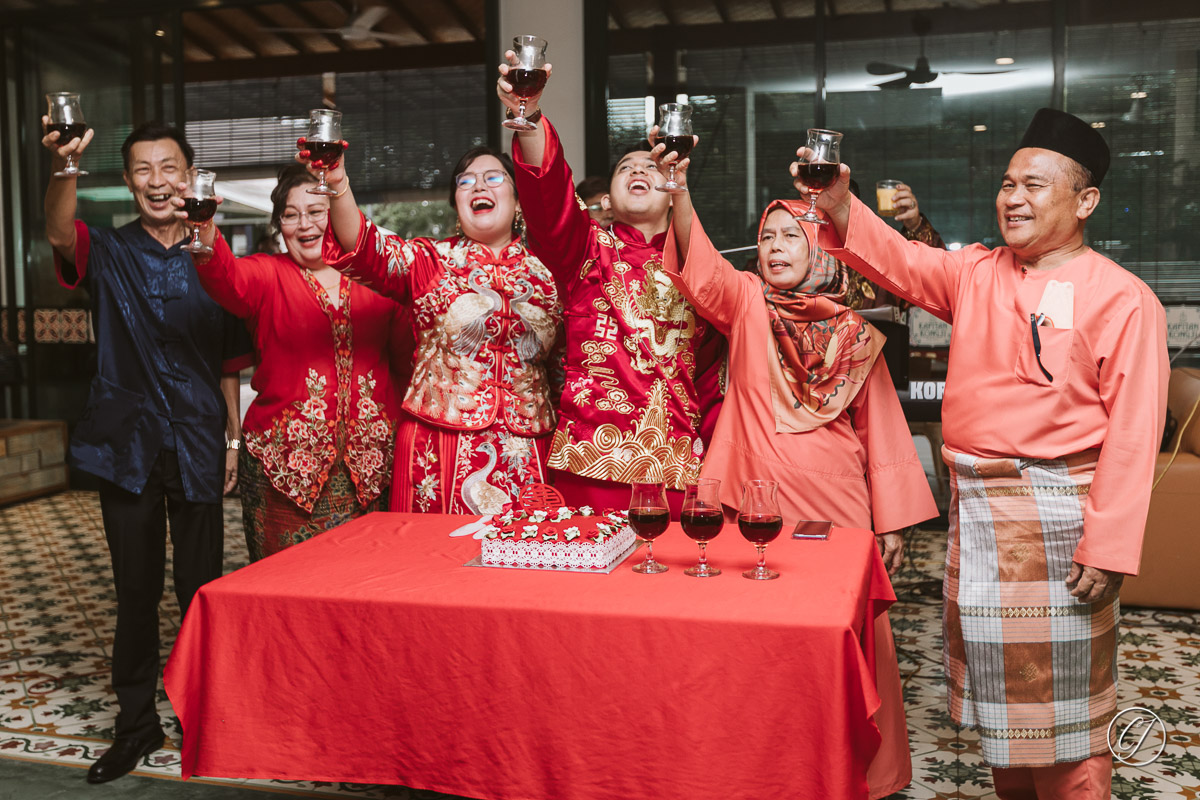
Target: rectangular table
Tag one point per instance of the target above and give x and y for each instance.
(370, 654)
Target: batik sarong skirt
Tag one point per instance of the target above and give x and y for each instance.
(273, 521)
(1028, 666)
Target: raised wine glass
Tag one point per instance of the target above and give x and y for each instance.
(820, 169)
(324, 143)
(527, 76)
(66, 117)
(200, 203)
(702, 520)
(675, 131)
(760, 521)
(649, 516)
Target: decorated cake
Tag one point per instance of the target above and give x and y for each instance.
(562, 538)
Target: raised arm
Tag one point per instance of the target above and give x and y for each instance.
(709, 282)
(61, 202)
(345, 221)
(388, 265)
(236, 284)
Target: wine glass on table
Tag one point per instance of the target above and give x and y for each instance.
(819, 170)
(324, 144)
(527, 77)
(675, 131)
(760, 521)
(702, 520)
(649, 516)
(66, 117)
(200, 203)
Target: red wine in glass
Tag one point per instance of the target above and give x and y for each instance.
(760, 528)
(649, 523)
(818, 174)
(702, 524)
(199, 210)
(326, 152)
(679, 144)
(68, 131)
(527, 82)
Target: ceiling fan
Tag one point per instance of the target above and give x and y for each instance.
(357, 28)
(920, 72)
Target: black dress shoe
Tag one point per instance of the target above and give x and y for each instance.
(123, 756)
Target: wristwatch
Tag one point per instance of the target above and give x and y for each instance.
(233, 444)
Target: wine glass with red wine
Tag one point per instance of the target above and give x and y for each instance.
(760, 521)
(200, 203)
(324, 144)
(66, 117)
(675, 131)
(702, 520)
(649, 516)
(820, 169)
(527, 76)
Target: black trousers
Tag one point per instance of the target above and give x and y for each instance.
(135, 526)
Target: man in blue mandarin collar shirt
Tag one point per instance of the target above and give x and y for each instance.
(161, 425)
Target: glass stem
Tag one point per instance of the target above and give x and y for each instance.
(814, 194)
(671, 175)
(521, 112)
(649, 551)
(762, 557)
(703, 556)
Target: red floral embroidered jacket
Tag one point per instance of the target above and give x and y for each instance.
(323, 380)
(485, 326)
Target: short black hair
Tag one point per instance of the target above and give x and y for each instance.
(1080, 176)
(591, 185)
(153, 131)
(289, 178)
(474, 153)
(636, 147)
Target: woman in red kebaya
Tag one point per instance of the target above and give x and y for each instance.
(478, 413)
(319, 434)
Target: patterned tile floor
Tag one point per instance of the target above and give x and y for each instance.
(56, 618)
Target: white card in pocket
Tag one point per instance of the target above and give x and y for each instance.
(1058, 304)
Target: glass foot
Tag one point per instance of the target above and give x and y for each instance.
(650, 567)
(762, 574)
(70, 172)
(519, 124)
(671, 187)
(322, 189)
(702, 571)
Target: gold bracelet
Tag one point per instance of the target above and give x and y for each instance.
(342, 192)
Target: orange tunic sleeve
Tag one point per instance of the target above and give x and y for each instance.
(1134, 370)
(899, 490)
(708, 281)
(923, 275)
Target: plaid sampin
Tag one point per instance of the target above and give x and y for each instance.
(1028, 666)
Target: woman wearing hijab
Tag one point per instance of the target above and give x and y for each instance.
(808, 403)
(478, 412)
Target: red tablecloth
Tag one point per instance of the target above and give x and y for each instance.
(371, 654)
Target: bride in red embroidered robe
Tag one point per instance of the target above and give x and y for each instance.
(319, 435)
(478, 412)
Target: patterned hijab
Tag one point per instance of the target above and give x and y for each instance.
(823, 349)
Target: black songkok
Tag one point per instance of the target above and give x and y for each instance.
(1064, 133)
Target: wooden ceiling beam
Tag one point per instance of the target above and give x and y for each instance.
(235, 35)
(412, 20)
(310, 19)
(455, 54)
(777, 8)
(667, 11)
(852, 27)
(199, 42)
(463, 18)
(723, 12)
(263, 21)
